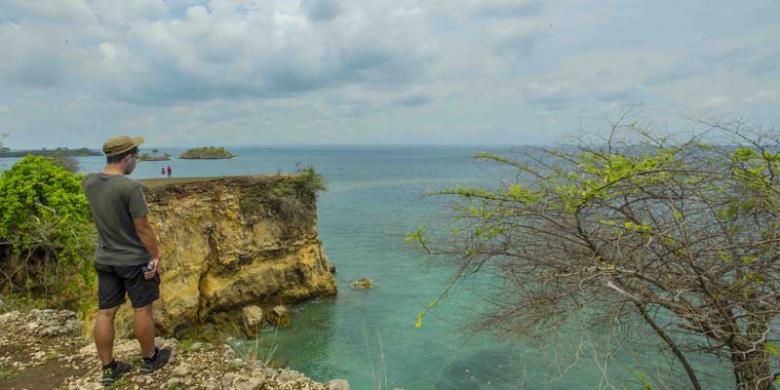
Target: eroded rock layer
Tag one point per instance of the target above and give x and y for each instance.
(231, 242)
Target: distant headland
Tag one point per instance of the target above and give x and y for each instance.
(58, 152)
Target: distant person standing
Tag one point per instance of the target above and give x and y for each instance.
(162, 171)
(170, 171)
(126, 259)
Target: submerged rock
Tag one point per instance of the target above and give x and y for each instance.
(362, 283)
(489, 368)
(338, 384)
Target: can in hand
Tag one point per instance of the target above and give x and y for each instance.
(149, 267)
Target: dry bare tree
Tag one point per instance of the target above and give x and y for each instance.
(680, 237)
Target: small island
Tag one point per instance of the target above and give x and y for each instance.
(58, 152)
(154, 156)
(206, 153)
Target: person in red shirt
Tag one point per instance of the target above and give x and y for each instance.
(170, 171)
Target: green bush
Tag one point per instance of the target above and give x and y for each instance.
(45, 218)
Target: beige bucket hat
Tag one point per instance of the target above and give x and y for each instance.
(121, 144)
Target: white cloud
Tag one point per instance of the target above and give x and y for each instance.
(506, 9)
(763, 96)
(714, 102)
(309, 68)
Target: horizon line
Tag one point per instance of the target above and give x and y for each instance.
(145, 147)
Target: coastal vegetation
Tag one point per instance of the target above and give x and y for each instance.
(46, 233)
(57, 152)
(207, 153)
(677, 239)
(291, 200)
(63, 157)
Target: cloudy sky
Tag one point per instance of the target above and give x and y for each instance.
(233, 72)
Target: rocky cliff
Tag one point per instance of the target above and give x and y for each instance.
(232, 242)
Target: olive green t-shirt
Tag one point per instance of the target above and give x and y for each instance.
(115, 201)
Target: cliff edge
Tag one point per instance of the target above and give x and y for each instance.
(231, 242)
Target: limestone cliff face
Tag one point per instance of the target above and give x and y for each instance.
(231, 242)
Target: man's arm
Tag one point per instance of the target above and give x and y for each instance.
(146, 233)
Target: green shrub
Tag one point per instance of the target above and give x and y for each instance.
(45, 217)
(290, 199)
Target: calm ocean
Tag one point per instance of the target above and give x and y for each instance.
(375, 195)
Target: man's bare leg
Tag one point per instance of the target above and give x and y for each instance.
(104, 334)
(144, 330)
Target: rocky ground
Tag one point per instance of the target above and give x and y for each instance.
(44, 349)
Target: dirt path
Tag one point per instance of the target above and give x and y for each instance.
(34, 355)
(48, 375)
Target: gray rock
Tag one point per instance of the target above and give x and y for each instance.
(228, 380)
(51, 323)
(196, 346)
(270, 372)
(181, 371)
(168, 342)
(289, 376)
(142, 380)
(173, 382)
(229, 352)
(11, 316)
(254, 383)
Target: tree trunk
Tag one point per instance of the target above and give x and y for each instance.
(752, 371)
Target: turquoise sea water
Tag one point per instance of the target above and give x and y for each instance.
(375, 196)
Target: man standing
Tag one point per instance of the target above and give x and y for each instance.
(127, 257)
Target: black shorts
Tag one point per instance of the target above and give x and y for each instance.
(115, 281)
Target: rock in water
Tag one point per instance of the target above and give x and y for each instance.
(253, 319)
(280, 316)
(362, 283)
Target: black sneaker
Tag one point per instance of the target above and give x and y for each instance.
(113, 372)
(160, 357)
